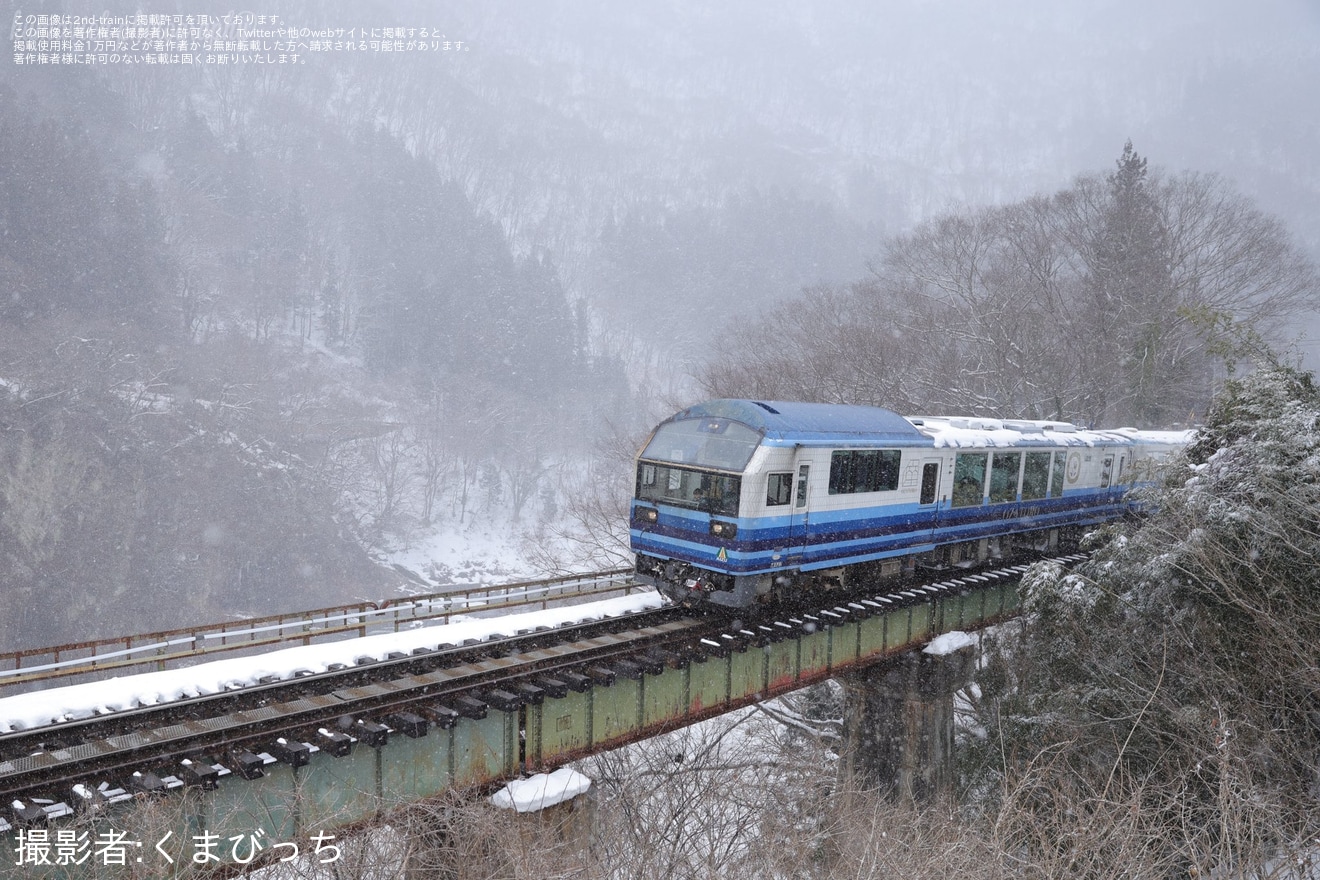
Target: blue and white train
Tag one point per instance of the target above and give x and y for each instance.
(742, 501)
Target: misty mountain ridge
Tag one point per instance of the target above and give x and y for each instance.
(362, 298)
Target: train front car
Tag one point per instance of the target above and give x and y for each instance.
(738, 501)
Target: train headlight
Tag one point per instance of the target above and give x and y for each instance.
(723, 529)
(647, 514)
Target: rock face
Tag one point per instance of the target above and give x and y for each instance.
(898, 723)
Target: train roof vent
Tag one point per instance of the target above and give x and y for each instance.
(1061, 427)
(767, 407)
(1023, 426)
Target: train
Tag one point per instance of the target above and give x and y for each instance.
(742, 503)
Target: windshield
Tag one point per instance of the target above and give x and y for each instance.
(684, 487)
(711, 442)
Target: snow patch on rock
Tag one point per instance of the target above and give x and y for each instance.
(949, 642)
(541, 791)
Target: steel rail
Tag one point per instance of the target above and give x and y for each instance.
(218, 726)
(170, 648)
(72, 752)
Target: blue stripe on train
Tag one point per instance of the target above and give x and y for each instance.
(755, 534)
(857, 540)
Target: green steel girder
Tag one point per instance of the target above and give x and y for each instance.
(291, 803)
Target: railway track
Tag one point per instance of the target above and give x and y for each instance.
(233, 727)
(190, 742)
(171, 649)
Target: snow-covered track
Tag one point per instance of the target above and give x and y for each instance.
(169, 649)
(348, 703)
(70, 751)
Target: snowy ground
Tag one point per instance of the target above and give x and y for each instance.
(482, 553)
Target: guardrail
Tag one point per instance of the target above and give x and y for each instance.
(171, 648)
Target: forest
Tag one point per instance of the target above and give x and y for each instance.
(264, 325)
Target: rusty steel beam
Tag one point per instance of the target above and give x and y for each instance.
(352, 761)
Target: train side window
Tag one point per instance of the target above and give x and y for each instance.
(803, 472)
(864, 470)
(968, 479)
(779, 489)
(1036, 476)
(1056, 474)
(1004, 469)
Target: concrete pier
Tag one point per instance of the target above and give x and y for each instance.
(898, 723)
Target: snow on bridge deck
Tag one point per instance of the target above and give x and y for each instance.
(74, 702)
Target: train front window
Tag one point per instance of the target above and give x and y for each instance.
(684, 487)
(722, 444)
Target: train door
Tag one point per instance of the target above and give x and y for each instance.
(1106, 470)
(928, 500)
(797, 524)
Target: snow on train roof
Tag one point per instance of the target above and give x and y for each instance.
(786, 424)
(977, 432)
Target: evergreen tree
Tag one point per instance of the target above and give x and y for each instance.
(545, 358)
(1183, 658)
(72, 236)
(1136, 314)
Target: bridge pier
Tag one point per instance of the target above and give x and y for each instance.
(551, 813)
(898, 722)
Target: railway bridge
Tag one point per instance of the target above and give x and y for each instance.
(302, 756)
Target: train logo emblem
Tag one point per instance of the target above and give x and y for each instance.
(1074, 466)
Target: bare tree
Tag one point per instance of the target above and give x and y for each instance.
(387, 455)
(1107, 302)
(590, 530)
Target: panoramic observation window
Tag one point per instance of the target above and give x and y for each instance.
(968, 479)
(1036, 476)
(864, 470)
(684, 487)
(705, 443)
(1004, 476)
